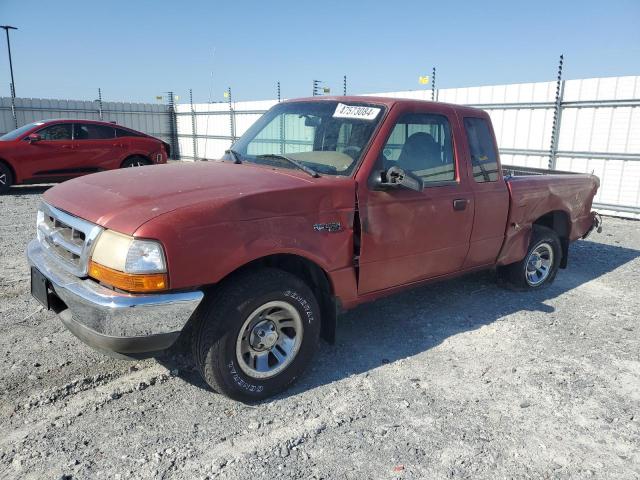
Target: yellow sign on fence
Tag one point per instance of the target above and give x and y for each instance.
(423, 80)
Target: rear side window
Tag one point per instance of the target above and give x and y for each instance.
(90, 131)
(121, 132)
(484, 159)
(60, 131)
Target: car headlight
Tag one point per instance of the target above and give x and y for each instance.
(128, 263)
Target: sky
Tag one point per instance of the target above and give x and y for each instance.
(136, 50)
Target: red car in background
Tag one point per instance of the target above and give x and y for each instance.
(56, 150)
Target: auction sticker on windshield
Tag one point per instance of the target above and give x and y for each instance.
(356, 111)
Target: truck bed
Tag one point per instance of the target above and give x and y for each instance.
(562, 199)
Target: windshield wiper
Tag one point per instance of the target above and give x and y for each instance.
(292, 161)
(234, 154)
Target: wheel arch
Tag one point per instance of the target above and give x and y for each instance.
(558, 221)
(316, 278)
(11, 169)
(136, 155)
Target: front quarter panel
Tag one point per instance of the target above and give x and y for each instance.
(207, 241)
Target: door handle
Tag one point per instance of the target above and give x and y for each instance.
(460, 203)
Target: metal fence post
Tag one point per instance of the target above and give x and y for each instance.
(193, 127)
(557, 117)
(100, 103)
(13, 106)
(281, 125)
(433, 85)
(173, 127)
(232, 120)
(344, 85)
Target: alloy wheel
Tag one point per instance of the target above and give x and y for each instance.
(269, 339)
(539, 264)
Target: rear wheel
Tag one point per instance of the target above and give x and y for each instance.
(256, 335)
(135, 162)
(6, 178)
(539, 266)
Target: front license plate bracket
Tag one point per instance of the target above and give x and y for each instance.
(40, 287)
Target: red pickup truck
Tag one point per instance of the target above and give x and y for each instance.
(323, 204)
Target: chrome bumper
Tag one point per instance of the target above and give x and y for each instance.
(114, 321)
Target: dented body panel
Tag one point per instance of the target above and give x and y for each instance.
(234, 213)
(532, 197)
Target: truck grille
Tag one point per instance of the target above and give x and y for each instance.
(67, 238)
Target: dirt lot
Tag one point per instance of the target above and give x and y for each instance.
(456, 380)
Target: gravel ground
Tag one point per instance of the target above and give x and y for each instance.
(456, 380)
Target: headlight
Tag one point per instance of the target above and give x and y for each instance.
(128, 263)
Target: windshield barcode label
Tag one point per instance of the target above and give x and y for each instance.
(355, 111)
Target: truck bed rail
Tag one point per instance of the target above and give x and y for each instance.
(519, 171)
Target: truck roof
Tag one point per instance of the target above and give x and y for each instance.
(389, 102)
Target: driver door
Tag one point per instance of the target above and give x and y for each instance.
(410, 236)
(50, 157)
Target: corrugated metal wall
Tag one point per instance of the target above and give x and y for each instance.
(213, 126)
(599, 128)
(146, 117)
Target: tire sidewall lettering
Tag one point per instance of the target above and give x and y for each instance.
(239, 381)
(303, 303)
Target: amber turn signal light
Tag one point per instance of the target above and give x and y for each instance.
(135, 283)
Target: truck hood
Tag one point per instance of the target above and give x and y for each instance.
(125, 199)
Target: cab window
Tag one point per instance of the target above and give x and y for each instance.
(60, 131)
(90, 131)
(421, 144)
(121, 132)
(484, 159)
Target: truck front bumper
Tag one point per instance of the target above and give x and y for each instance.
(113, 321)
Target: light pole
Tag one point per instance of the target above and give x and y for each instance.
(6, 30)
(13, 84)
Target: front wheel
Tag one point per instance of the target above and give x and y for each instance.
(6, 178)
(256, 335)
(539, 266)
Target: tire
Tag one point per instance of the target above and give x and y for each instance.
(241, 334)
(530, 273)
(135, 162)
(6, 178)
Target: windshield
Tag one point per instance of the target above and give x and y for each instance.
(18, 132)
(329, 137)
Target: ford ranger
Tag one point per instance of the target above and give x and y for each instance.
(323, 204)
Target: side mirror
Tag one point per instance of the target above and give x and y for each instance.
(34, 137)
(396, 177)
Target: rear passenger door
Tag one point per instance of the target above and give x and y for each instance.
(96, 146)
(409, 236)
